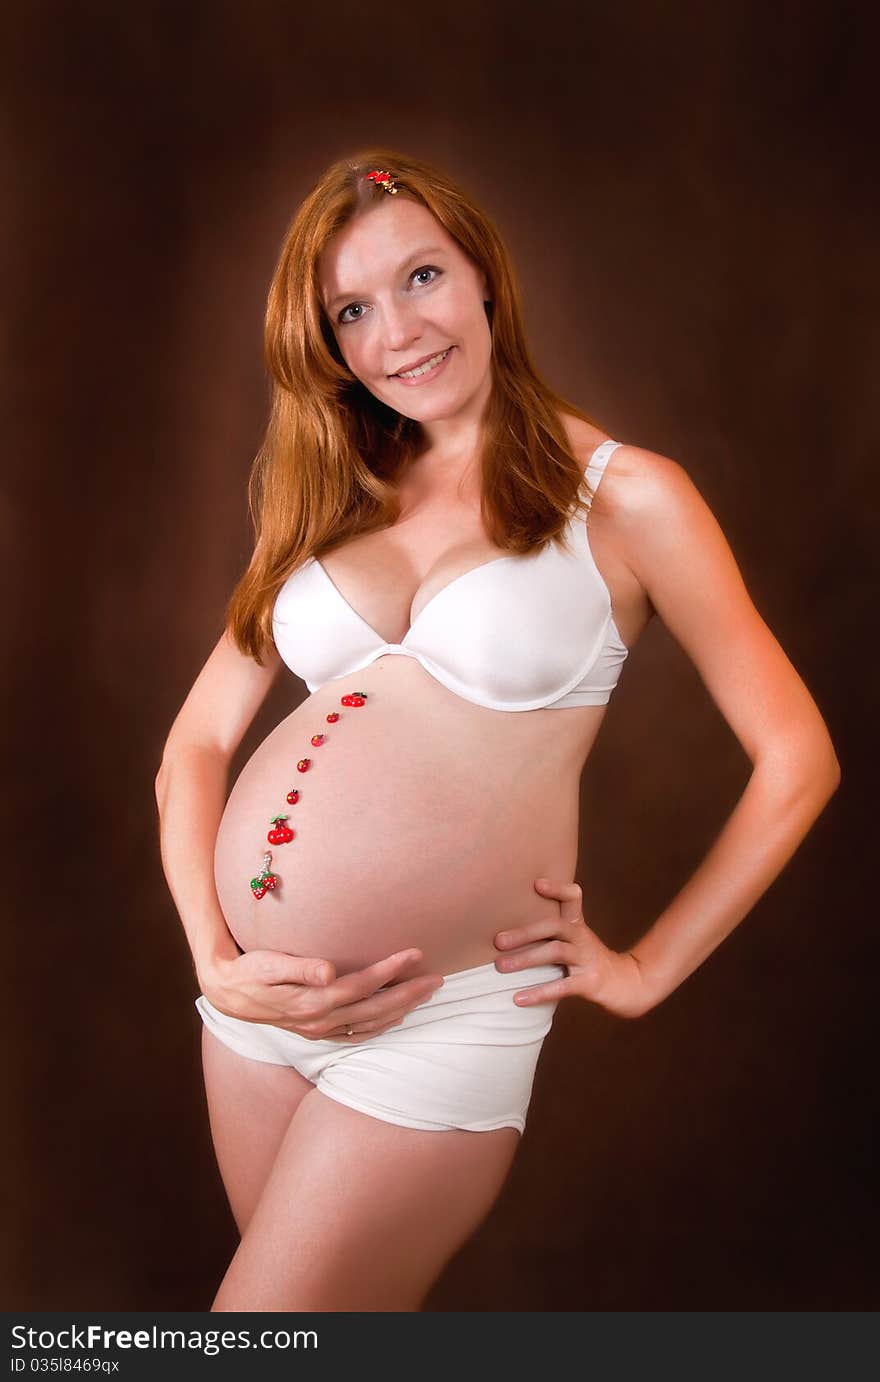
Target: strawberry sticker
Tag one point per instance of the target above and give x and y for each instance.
(266, 880)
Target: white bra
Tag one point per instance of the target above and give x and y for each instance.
(520, 632)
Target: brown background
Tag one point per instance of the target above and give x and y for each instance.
(686, 192)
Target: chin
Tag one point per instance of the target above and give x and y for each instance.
(437, 411)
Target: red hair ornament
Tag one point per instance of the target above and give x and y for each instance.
(382, 180)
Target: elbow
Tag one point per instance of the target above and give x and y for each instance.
(804, 766)
(827, 769)
(186, 753)
(824, 776)
(163, 762)
(159, 784)
(829, 780)
(161, 778)
(834, 776)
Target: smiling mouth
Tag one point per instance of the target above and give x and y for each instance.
(424, 368)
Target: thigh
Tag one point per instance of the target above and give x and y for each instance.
(362, 1214)
(250, 1105)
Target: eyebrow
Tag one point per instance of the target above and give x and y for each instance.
(417, 254)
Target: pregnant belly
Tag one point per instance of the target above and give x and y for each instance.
(422, 821)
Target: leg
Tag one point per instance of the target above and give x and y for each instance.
(362, 1214)
(250, 1105)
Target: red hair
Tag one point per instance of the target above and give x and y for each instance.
(333, 452)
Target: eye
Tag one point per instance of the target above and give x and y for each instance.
(359, 307)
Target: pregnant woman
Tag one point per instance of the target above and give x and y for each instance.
(382, 915)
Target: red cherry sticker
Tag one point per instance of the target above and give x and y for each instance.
(281, 833)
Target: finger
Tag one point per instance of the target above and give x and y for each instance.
(393, 1002)
(569, 896)
(362, 1034)
(533, 931)
(544, 993)
(553, 952)
(360, 983)
(312, 1005)
(321, 1018)
(278, 967)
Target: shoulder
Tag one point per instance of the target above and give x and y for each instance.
(641, 487)
(662, 527)
(653, 518)
(637, 485)
(670, 540)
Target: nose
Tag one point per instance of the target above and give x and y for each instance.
(401, 325)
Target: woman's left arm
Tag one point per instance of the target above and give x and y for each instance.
(680, 556)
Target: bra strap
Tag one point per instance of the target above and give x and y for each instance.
(598, 461)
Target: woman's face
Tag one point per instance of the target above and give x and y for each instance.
(398, 290)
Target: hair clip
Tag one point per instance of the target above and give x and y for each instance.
(382, 180)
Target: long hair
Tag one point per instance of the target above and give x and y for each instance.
(333, 452)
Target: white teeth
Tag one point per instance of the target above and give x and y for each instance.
(423, 369)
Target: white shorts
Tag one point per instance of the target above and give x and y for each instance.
(465, 1058)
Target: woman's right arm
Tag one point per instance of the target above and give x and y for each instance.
(191, 790)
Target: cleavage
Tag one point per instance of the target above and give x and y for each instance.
(366, 589)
